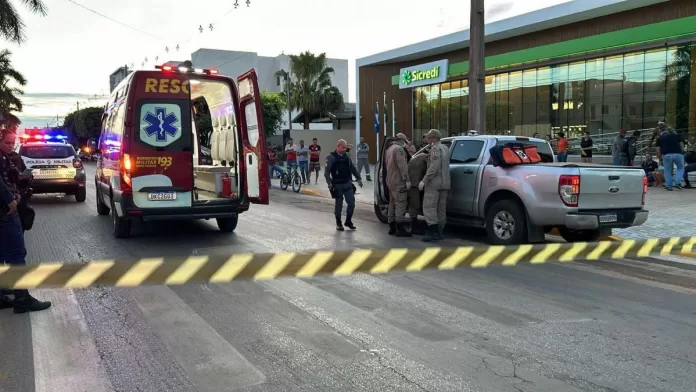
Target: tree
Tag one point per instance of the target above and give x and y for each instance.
(84, 123)
(272, 108)
(11, 83)
(311, 91)
(11, 24)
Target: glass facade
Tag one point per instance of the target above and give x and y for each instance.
(601, 95)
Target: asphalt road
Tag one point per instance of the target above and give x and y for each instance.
(619, 326)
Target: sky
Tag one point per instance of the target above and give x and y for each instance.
(70, 53)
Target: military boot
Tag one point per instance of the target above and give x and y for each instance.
(431, 234)
(339, 225)
(417, 227)
(392, 228)
(26, 303)
(367, 177)
(441, 231)
(401, 230)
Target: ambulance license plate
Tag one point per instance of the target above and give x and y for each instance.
(160, 196)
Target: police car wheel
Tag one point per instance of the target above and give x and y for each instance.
(227, 225)
(81, 195)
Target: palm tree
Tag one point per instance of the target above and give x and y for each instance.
(311, 91)
(11, 25)
(11, 83)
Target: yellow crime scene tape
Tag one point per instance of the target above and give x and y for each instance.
(268, 266)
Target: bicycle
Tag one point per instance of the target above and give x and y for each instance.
(291, 178)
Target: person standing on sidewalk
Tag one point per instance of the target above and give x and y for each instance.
(272, 165)
(436, 185)
(398, 183)
(670, 151)
(586, 145)
(617, 147)
(314, 163)
(303, 160)
(562, 146)
(339, 173)
(363, 161)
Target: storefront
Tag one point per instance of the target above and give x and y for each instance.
(604, 80)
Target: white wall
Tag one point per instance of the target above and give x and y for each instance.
(234, 63)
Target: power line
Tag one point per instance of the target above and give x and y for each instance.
(114, 20)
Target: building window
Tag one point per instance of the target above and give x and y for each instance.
(602, 95)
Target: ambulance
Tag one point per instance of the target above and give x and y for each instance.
(180, 143)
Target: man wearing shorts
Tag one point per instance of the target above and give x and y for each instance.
(314, 164)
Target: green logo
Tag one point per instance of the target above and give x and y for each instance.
(418, 75)
(406, 77)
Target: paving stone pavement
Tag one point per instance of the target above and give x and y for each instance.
(672, 214)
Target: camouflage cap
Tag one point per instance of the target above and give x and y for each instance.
(433, 133)
(402, 137)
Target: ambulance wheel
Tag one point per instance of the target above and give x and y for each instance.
(227, 225)
(81, 195)
(102, 209)
(122, 227)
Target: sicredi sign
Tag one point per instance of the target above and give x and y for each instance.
(423, 74)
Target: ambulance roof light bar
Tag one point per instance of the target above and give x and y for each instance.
(185, 67)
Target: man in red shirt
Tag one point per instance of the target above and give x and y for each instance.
(314, 162)
(272, 164)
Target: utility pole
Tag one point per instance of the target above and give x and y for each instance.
(287, 88)
(477, 68)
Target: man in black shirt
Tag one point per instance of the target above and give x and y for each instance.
(338, 174)
(670, 151)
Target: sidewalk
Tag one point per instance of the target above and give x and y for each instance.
(672, 214)
(364, 194)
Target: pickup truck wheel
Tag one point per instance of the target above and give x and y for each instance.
(506, 223)
(381, 213)
(579, 235)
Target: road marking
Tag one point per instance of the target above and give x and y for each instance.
(65, 356)
(211, 362)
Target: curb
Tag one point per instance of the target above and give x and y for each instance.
(614, 238)
(303, 191)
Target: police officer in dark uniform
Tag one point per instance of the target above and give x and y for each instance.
(12, 250)
(338, 174)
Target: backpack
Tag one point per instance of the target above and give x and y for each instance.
(511, 154)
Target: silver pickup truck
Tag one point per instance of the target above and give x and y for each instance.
(520, 204)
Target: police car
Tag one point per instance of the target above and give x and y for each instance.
(54, 165)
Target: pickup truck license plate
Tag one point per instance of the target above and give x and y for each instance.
(609, 218)
(161, 196)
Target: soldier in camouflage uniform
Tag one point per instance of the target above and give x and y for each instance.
(436, 185)
(417, 167)
(398, 183)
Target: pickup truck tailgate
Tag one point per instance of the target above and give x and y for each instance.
(610, 188)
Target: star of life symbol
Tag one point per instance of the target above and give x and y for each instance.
(161, 124)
